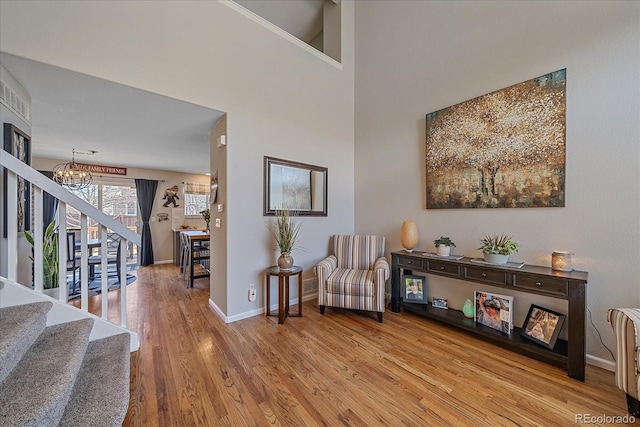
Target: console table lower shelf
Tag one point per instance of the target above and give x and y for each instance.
(529, 279)
(514, 342)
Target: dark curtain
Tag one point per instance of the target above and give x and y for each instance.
(49, 203)
(146, 190)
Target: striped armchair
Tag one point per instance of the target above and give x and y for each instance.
(626, 327)
(354, 275)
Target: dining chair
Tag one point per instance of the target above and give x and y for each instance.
(73, 260)
(113, 257)
(200, 256)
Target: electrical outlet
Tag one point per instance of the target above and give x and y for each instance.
(252, 292)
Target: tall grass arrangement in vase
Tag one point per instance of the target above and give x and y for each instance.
(285, 231)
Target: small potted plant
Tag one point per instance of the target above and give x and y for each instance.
(497, 248)
(443, 245)
(206, 215)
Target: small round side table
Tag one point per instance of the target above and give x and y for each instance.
(283, 291)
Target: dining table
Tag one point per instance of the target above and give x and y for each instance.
(197, 237)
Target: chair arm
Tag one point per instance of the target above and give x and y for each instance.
(626, 327)
(325, 267)
(382, 264)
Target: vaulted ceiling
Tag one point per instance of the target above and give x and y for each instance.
(127, 126)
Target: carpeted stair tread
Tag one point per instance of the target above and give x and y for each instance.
(100, 396)
(36, 392)
(20, 327)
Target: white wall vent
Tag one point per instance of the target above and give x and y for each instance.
(309, 286)
(11, 98)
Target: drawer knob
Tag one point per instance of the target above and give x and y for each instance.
(484, 274)
(538, 283)
(410, 262)
(442, 268)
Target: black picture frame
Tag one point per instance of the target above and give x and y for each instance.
(420, 295)
(18, 144)
(542, 326)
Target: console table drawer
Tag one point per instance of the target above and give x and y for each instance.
(543, 285)
(484, 275)
(408, 262)
(442, 268)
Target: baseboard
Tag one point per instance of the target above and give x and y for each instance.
(255, 312)
(601, 363)
(217, 311)
(166, 261)
(310, 296)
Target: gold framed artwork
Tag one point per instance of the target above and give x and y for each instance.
(505, 149)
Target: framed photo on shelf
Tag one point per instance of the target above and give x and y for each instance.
(494, 311)
(415, 289)
(542, 326)
(440, 303)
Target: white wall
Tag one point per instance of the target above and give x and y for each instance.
(282, 101)
(8, 116)
(414, 58)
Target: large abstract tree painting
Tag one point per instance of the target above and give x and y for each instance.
(505, 149)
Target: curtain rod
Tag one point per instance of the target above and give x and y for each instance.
(122, 177)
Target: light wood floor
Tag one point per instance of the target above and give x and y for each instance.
(340, 369)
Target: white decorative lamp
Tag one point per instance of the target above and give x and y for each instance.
(409, 235)
(561, 261)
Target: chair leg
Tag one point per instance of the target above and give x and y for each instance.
(380, 316)
(633, 406)
(322, 307)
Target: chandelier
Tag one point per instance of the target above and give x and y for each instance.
(72, 175)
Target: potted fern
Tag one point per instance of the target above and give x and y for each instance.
(49, 256)
(285, 231)
(497, 248)
(443, 245)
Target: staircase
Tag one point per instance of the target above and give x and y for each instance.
(54, 376)
(59, 365)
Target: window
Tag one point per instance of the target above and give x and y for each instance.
(131, 209)
(118, 201)
(196, 199)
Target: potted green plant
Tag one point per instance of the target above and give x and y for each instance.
(49, 255)
(497, 248)
(443, 245)
(285, 231)
(206, 215)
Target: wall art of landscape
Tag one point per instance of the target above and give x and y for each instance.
(505, 149)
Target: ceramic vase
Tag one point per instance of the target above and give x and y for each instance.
(285, 261)
(496, 258)
(409, 235)
(467, 309)
(444, 250)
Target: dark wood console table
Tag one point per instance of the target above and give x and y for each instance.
(532, 279)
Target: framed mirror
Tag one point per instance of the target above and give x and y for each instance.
(294, 186)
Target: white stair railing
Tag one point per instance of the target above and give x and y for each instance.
(40, 184)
